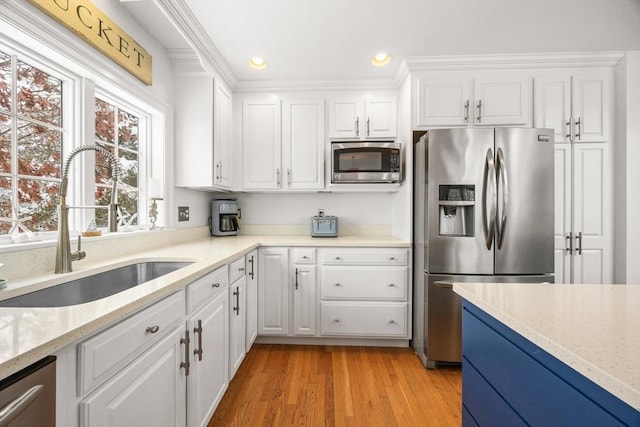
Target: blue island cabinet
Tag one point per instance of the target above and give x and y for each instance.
(509, 381)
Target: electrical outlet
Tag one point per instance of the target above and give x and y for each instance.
(183, 213)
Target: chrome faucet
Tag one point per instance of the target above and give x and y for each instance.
(64, 256)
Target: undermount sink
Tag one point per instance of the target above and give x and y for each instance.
(95, 287)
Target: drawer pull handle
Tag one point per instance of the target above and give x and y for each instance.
(305, 257)
(391, 285)
(152, 329)
(241, 269)
(215, 285)
(186, 364)
(337, 284)
(336, 320)
(338, 258)
(392, 258)
(391, 322)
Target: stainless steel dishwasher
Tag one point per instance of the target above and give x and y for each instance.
(28, 397)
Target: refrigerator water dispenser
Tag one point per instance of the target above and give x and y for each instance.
(456, 207)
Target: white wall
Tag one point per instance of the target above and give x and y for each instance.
(627, 170)
(402, 212)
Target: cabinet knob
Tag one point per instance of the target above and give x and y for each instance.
(391, 285)
(336, 320)
(337, 284)
(392, 258)
(305, 257)
(338, 258)
(241, 269)
(215, 285)
(152, 329)
(391, 322)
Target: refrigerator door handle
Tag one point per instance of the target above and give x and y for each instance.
(502, 174)
(489, 222)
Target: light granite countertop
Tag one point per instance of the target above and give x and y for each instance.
(594, 329)
(29, 334)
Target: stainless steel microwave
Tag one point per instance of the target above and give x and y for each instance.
(366, 162)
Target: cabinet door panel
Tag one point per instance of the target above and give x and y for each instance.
(562, 212)
(236, 325)
(304, 300)
(251, 270)
(553, 105)
(443, 102)
(590, 105)
(345, 117)
(150, 391)
(364, 283)
(273, 291)
(364, 319)
(382, 117)
(261, 144)
(502, 101)
(303, 143)
(208, 377)
(222, 136)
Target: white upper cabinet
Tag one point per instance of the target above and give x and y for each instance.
(303, 144)
(261, 144)
(373, 117)
(575, 106)
(494, 100)
(283, 150)
(202, 132)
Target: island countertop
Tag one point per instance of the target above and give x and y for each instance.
(594, 329)
(29, 334)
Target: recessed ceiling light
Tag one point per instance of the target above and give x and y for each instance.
(381, 59)
(257, 63)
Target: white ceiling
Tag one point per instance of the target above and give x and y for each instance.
(320, 40)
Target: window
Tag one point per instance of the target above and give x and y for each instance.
(118, 130)
(31, 144)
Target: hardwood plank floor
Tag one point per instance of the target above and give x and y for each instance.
(290, 385)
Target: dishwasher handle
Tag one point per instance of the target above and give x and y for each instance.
(15, 408)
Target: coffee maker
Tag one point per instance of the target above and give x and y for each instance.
(224, 217)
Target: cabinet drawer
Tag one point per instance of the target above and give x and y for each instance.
(366, 320)
(206, 288)
(365, 256)
(347, 282)
(102, 355)
(236, 270)
(304, 256)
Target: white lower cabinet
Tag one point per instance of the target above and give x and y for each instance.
(149, 392)
(251, 269)
(236, 325)
(355, 293)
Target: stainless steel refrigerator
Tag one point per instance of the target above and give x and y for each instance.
(483, 212)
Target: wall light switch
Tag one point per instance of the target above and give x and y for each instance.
(183, 213)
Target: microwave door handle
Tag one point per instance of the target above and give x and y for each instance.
(489, 180)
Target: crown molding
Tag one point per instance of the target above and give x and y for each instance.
(185, 61)
(182, 18)
(513, 61)
(313, 85)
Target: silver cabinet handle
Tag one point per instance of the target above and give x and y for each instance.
(296, 279)
(236, 293)
(198, 330)
(278, 176)
(569, 239)
(443, 284)
(568, 134)
(215, 285)
(251, 262)
(338, 258)
(479, 118)
(391, 322)
(186, 364)
(579, 242)
(336, 320)
(392, 258)
(489, 223)
(357, 126)
(368, 132)
(579, 125)
(241, 269)
(152, 329)
(19, 404)
(466, 111)
(337, 284)
(217, 172)
(391, 285)
(502, 174)
(305, 257)
(289, 177)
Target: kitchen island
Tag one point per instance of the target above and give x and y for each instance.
(545, 354)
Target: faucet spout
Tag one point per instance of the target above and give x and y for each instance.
(64, 257)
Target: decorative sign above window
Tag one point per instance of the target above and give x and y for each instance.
(90, 23)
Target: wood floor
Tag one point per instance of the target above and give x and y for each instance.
(286, 385)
